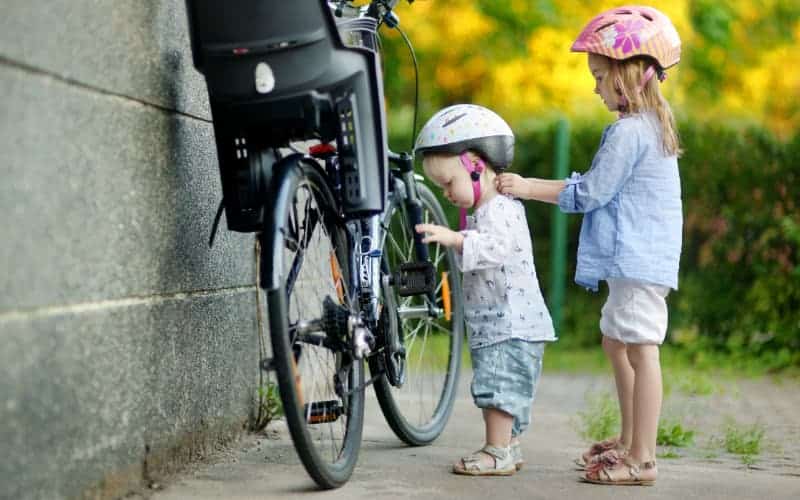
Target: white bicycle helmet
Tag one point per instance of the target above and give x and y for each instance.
(463, 127)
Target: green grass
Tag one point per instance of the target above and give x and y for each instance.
(560, 359)
(601, 418)
(668, 454)
(748, 460)
(693, 374)
(743, 440)
(695, 383)
(672, 433)
(680, 372)
(747, 441)
(268, 406)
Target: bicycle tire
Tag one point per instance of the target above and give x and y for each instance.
(395, 403)
(305, 367)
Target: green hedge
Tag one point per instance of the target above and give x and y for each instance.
(741, 262)
(740, 267)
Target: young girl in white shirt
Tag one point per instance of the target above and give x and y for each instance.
(463, 147)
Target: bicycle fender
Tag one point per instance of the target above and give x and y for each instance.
(283, 180)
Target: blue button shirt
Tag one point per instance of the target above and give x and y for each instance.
(631, 198)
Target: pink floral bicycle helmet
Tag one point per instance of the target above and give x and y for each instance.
(629, 31)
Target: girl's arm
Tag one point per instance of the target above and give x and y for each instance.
(475, 249)
(529, 189)
(442, 235)
(611, 167)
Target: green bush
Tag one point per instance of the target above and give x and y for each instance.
(740, 268)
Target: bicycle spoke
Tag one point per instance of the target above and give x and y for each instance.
(394, 243)
(440, 327)
(438, 288)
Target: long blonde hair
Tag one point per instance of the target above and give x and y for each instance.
(626, 76)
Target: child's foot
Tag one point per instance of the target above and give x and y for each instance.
(591, 455)
(624, 471)
(516, 454)
(488, 461)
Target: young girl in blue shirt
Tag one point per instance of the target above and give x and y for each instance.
(631, 231)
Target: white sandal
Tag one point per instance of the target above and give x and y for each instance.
(474, 465)
(516, 454)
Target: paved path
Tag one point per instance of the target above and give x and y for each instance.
(267, 466)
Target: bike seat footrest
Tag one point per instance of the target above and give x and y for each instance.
(415, 278)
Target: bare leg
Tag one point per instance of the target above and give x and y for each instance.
(647, 394)
(646, 410)
(616, 352)
(498, 427)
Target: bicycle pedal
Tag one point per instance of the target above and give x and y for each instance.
(415, 278)
(320, 412)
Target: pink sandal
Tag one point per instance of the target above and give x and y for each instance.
(590, 456)
(598, 473)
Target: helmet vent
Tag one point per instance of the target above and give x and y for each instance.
(453, 120)
(607, 25)
(624, 12)
(647, 16)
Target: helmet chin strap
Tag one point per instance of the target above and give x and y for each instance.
(475, 174)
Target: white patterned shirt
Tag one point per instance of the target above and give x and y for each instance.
(502, 299)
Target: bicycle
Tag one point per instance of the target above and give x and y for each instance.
(347, 279)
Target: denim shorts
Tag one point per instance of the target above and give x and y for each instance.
(635, 312)
(505, 376)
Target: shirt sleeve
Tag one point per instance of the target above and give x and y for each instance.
(612, 166)
(490, 245)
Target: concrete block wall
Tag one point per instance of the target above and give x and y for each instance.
(127, 344)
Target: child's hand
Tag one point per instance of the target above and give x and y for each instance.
(512, 184)
(441, 235)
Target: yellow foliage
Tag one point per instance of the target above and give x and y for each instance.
(548, 79)
(455, 24)
(544, 77)
(774, 89)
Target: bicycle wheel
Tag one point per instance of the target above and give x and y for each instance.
(418, 410)
(321, 384)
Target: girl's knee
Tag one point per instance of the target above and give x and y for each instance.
(612, 347)
(642, 354)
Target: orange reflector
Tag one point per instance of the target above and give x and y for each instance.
(336, 274)
(297, 382)
(446, 297)
(323, 419)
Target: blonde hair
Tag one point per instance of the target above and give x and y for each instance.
(626, 77)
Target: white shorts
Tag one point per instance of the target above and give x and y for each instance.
(635, 312)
